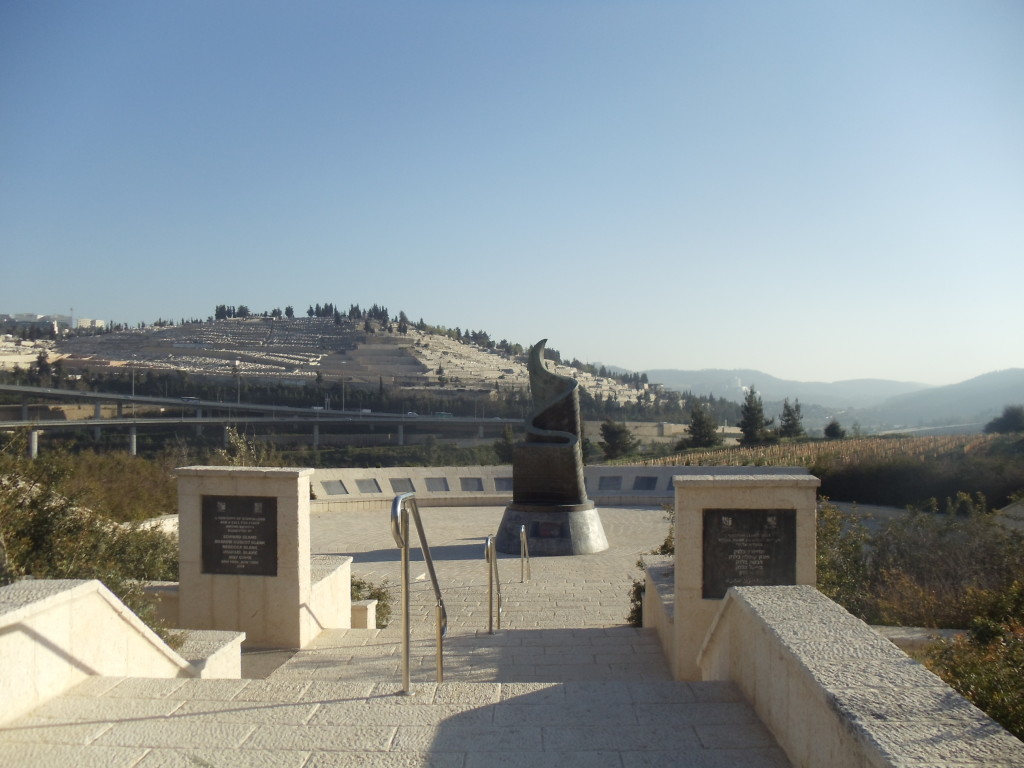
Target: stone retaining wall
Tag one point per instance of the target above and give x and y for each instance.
(835, 692)
(54, 634)
(335, 490)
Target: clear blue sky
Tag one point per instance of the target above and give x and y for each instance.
(819, 190)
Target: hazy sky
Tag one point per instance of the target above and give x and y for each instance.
(819, 190)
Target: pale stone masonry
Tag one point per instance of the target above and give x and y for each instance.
(835, 692)
(722, 489)
(283, 609)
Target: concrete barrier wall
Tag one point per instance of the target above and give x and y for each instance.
(54, 634)
(835, 692)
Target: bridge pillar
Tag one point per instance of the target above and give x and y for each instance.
(480, 431)
(24, 410)
(97, 414)
(226, 443)
(33, 443)
(316, 435)
(401, 434)
(132, 438)
(120, 409)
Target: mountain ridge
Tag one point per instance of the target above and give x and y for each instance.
(733, 384)
(872, 403)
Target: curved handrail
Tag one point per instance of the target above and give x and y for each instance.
(401, 507)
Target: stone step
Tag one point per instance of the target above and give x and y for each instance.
(507, 656)
(305, 723)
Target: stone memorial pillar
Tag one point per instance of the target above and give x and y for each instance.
(736, 530)
(244, 559)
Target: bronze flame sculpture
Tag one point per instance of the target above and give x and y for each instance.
(549, 495)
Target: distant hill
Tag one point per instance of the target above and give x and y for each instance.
(976, 400)
(299, 349)
(873, 404)
(734, 384)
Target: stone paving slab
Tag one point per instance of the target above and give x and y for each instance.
(451, 723)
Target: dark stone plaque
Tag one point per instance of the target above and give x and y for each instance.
(240, 535)
(748, 548)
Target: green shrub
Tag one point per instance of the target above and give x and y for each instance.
(118, 485)
(48, 535)
(635, 617)
(842, 565)
(987, 666)
(941, 569)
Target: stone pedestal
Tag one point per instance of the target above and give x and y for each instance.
(736, 530)
(552, 529)
(244, 558)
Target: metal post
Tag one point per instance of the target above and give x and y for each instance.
(405, 600)
(439, 636)
(401, 508)
(132, 440)
(493, 583)
(524, 556)
(488, 549)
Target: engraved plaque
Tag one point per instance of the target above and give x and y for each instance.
(748, 548)
(545, 530)
(240, 535)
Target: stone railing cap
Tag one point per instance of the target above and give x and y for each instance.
(283, 472)
(746, 480)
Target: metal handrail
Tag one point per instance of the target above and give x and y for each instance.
(493, 583)
(524, 556)
(400, 508)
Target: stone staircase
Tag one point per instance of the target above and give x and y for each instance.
(563, 683)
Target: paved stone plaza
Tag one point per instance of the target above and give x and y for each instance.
(563, 683)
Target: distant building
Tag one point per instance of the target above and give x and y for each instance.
(86, 323)
(49, 325)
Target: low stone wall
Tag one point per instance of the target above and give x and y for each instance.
(330, 603)
(659, 603)
(835, 692)
(337, 490)
(54, 634)
(214, 654)
(330, 594)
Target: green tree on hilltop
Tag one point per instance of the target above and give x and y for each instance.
(752, 424)
(791, 423)
(834, 431)
(703, 429)
(1012, 420)
(618, 440)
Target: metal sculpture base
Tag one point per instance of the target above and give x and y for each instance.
(552, 529)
